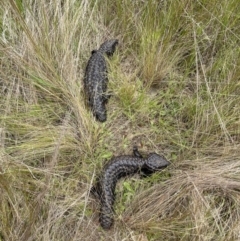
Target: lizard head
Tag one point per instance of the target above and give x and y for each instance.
(155, 162)
(109, 47)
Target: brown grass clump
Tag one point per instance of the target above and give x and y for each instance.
(201, 200)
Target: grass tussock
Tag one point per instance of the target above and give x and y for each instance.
(203, 196)
(174, 82)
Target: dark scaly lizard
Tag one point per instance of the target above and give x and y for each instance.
(119, 167)
(96, 80)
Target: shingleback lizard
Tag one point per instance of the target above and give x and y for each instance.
(119, 167)
(96, 80)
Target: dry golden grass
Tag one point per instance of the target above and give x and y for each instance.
(174, 82)
(202, 203)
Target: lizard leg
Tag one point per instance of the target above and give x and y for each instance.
(136, 153)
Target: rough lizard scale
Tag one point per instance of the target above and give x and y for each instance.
(96, 80)
(119, 167)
